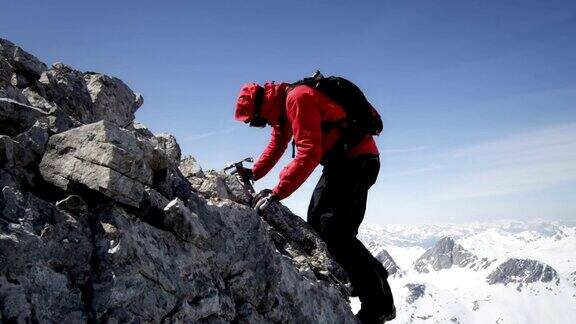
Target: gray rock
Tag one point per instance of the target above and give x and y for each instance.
(67, 88)
(140, 130)
(36, 100)
(11, 205)
(90, 97)
(293, 237)
(58, 120)
(417, 291)
(35, 138)
(21, 60)
(170, 183)
(73, 203)
(5, 72)
(214, 185)
(444, 255)
(146, 273)
(115, 232)
(45, 260)
(237, 191)
(7, 180)
(112, 99)
(20, 81)
(8, 91)
(17, 160)
(522, 271)
(13, 154)
(155, 200)
(167, 143)
(191, 168)
(103, 157)
(16, 117)
(180, 220)
(388, 262)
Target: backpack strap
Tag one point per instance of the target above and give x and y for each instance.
(314, 81)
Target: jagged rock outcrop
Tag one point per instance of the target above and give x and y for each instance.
(214, 184)
(89, 97)
(378, 249)
(102, 157)
(20, 61)
(388, 262)
(522, 271)
(444, 255)
(100, 221)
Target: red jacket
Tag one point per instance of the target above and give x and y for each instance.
(305, 110)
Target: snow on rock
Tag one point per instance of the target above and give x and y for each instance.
(522, 271)
(388, 262)
(444, 255)
(463, 294)
(416, 291)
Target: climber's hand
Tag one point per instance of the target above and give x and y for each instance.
(263, 199)
(245, 175)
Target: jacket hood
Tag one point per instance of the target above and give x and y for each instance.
(272, 105)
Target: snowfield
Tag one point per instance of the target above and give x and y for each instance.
(524, 272)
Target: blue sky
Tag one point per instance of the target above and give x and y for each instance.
(478, 97)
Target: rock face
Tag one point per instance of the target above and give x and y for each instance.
(416, 291)
(572, 278)
(89, 97)
(522, 271)
(100, 221)
(16, 117)
(102, 157)
(388, 262)
(19, 61)
(444, 255)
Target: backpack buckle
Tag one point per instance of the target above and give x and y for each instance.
(317, 76)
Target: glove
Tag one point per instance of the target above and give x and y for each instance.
(263, 199)
(245, 175)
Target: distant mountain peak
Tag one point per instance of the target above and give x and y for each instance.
(444, 255)
(388, 262)
(522, 271)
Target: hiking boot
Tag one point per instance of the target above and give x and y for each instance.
(373, 316)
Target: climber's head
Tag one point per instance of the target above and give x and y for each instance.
(260, 105)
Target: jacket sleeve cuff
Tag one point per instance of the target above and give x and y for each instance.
(278, 193)
(256, 174)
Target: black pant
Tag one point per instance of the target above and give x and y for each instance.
(336, 210)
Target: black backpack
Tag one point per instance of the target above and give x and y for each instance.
(361, 117)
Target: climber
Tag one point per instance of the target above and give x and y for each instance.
(301, 111)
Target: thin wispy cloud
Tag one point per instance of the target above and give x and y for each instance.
(196, 137)
(520, 163)
(403, 150)
(410, 172)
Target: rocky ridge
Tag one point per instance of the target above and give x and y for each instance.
(101, 220)
(444, 255)
(388, 262)
(522, 272)
(378, 249)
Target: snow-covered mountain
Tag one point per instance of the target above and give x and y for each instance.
(498, 272)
